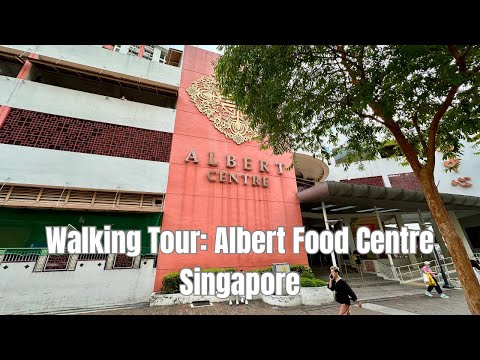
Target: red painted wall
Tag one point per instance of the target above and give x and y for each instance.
(406, 181)
(194, 203)
(372, 181)
(41, 130)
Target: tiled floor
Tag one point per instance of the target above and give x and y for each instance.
(385, 300)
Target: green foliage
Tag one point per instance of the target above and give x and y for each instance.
(300, 96)
(262, 270)
(171, 282)
(307, 275)
(307, 282)
(301, 269)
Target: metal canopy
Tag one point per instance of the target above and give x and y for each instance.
(346, 198)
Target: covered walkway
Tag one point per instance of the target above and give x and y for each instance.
(335, 204)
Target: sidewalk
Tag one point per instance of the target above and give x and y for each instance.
(381, 300)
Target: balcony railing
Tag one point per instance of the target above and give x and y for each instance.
(45, 262)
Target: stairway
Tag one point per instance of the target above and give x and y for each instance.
(355, 279)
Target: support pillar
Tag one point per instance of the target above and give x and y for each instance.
(141, 51)
(351, 241)
(381, 228)
(327, 227)
(392, 265)
(460, 232)
(400, 224)
(440, 239)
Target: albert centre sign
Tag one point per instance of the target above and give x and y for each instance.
(245, 163)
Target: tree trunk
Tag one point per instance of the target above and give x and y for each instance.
(452, 239)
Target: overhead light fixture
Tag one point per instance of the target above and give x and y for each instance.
(367, 210)
(320, 208)
(387, 210)
(343, 208)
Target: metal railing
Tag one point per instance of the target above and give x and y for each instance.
(21, 254)
(92, 257)
(413, 272)
(387, 271)
(45, 262)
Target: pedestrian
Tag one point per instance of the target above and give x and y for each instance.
(343, 292)
(430, 279)
(358, 261)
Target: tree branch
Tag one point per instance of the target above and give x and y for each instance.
(407, 148)
(464, 55)
(344, 61)
(419, 132)
(459, 59)
(360, 63)
(432, 133)
(367, 116)
(475, 69)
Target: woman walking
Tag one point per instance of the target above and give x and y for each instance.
(343, 292)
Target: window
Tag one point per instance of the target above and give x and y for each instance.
(163, 56)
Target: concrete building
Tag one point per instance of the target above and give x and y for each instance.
(85, 140)
(137, 135)
(93, 135)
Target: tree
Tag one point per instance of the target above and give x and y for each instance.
(425, 97)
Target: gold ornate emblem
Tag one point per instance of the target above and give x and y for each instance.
(223, 114)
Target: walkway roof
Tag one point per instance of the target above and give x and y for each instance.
(343, 198)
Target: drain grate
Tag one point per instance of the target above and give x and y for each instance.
(197, 304)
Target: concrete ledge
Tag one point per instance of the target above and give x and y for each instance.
(283, 300)
(177, 299)
(307, 296)
(316, 295)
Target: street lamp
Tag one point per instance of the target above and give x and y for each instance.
(446, 285)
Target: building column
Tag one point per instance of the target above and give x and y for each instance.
(460, 232)
(4, 111)
(141, 51)
(390, 260)
(327, 227)
(351, 242)
(400, 224)
(386, 180)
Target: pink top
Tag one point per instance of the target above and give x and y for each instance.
(426, 269)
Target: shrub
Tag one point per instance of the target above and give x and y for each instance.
(307, 275)
(300, 268)
(262, 270)
(171, 282)
(306, 282)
